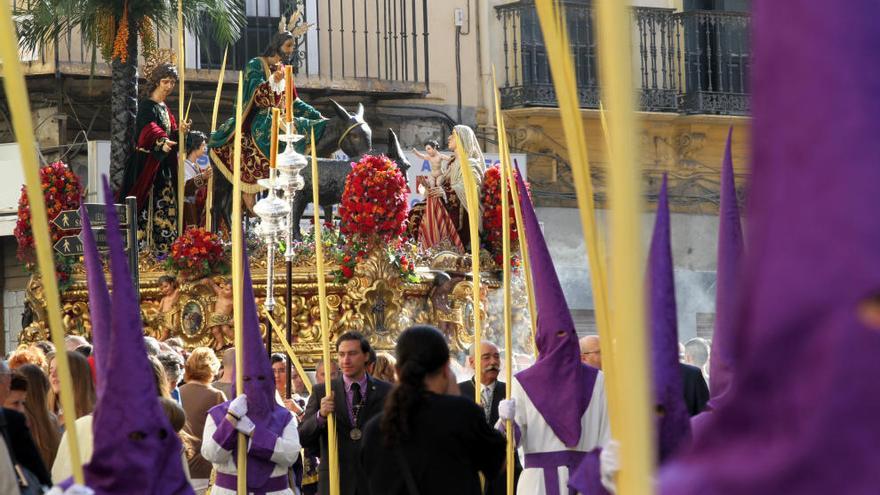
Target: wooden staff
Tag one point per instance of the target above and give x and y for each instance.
(181, 136)
(209, 199)
(473, 204)
(564, 82)
(637, 450)
(238, 282)
(19, 108)
(332, 449)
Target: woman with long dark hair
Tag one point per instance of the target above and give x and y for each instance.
(43, 424)
(429, 440)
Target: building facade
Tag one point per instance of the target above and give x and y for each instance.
(422, 66)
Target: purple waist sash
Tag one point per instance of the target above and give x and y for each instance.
(549, 462)
(230, 482)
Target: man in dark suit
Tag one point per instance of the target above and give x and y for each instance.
(696, 392)
(492, 392)
(355, 398)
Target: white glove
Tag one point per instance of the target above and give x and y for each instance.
(609, 465)
(507, 409)
(245, 425)
(238, 406)
(73, 490)
(79, 490)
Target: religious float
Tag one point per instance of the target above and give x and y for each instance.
(381, 278)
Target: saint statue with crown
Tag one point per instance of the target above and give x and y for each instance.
(151, 172)
(264, 89)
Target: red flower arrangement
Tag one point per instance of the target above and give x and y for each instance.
(197, 254)
(62, 190)
(490, 196)
(374, 203)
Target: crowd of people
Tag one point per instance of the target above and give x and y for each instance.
(192, 382)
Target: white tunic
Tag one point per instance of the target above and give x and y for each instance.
(537, 436)
(286, 451)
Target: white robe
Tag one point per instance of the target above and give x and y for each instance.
(287, 449)
(537, 436)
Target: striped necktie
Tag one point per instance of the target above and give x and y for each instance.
(486, 397)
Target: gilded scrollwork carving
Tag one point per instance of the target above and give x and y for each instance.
(375, 301)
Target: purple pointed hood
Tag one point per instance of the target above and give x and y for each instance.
(558, 384)
(802, 413)
(730, 254)
(136, 451)
(672, 420)
(99, 301)
(259, 384)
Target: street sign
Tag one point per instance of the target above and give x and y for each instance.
(72, 245)
(70, 219)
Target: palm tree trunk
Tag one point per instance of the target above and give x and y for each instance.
(123, 106)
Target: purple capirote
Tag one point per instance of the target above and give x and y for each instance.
(671, 419)
(730, 255)
(558, 384)
(136, 450)
(802, 413)
(99, 301)
(268, 416)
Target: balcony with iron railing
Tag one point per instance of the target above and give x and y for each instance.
(364, 46)
(693, 62)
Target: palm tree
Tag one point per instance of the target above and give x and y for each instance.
(114, 27)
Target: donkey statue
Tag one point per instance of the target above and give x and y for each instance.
(332, 176)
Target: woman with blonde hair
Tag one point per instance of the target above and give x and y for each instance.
(198, 396)
(83, 386)
(43, 424)
(384, 368)
(26, 355)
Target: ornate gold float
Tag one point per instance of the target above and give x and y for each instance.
(374, 301)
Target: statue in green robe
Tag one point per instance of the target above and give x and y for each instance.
(264, 89)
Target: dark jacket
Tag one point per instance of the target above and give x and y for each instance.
(21, 444)
(498, 394)
(696, 392)
(313, 435)
(497, 486)
(449, 443)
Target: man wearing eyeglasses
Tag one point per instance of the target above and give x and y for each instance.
(590, 353)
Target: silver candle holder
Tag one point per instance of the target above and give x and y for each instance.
(273, 213)
(290, 164)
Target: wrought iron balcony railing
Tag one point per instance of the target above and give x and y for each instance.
(376, 46)
(688, 62)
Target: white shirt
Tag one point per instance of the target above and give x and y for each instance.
(61, 468)
(537, 436)
(287, 449)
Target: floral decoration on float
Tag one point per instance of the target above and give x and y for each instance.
(490, 197)
(62, 190)
(198, 254)
(373, 215)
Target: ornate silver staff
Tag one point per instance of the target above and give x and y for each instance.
(289, 165)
